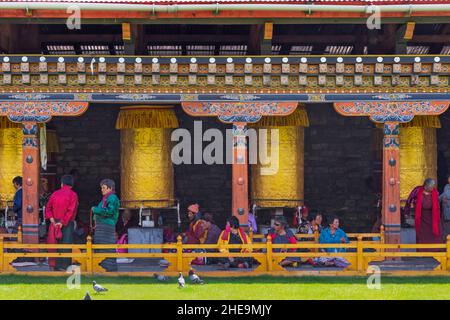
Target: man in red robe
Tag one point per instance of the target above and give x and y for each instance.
(427, 212)
(61, 210)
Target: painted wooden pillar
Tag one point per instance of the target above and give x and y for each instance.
(391, 183)
(30, 176)
(240, 173)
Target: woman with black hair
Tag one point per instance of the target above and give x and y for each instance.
(280, 234)
(106, 214)
(315, 222)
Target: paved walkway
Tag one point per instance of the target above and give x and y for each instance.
(152, 265)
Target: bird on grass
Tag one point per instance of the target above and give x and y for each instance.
(98, 288)
(160, 277)
(87, 296)
(181, 281)
(195, 279)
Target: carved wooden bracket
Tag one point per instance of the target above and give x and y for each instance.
(40, 111)
(391, 111)
(232, 112)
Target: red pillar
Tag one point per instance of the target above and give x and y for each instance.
(240, 173)
(30, 175)
(391, 183)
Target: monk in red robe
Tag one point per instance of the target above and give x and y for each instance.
(427, 212)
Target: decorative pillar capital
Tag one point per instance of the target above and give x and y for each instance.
(391, 132)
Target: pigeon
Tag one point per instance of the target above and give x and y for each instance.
(160, 277)
(181, 281)
(195, 279)
(87, 296)
(98, 288)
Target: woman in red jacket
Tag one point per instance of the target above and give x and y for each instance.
(427, 213)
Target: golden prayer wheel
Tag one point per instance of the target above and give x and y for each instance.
(10, 161)
(146, 168)
(285, 187)
(418, 152)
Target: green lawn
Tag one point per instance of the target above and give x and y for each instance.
(27, 287)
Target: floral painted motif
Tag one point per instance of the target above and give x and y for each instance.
(391, 111)
(248, 112)
(40, 111)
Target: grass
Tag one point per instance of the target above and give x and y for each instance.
(265, 287)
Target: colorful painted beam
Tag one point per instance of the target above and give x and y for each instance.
(147, 78)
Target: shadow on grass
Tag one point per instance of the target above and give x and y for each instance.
(34, 280)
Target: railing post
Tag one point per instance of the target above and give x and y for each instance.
(382, 238)
(316, 239)
(316, 236)
(269, 253)
(179, 254)
(2, 257)
(359, 254)
(250, 233)
(448, 252)
(19, 234)
(89, 258)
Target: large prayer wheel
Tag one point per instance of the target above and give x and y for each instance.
(146, 168)
(285, 188)
(418, 152)
(10, 161)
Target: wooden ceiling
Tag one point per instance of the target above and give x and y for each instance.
(229, 39)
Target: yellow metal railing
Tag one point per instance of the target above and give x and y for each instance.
(359, 254)
(13, 236)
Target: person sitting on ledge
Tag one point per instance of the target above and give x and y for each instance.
(233, 234)
(197, 233)
(280, 234)
(212, 237)
(333, 234)
(315, 223)
(213, 231)
(301, 219)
